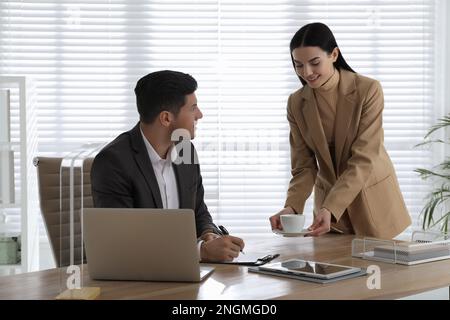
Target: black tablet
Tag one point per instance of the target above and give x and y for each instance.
(313, 269)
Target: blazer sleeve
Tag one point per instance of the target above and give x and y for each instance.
(110, 185)
(303, 165)
(203, 220)
(365, 151)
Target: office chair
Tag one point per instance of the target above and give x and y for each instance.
(58, 223)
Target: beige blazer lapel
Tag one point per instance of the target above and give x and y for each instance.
(311, 120)
(346, 105)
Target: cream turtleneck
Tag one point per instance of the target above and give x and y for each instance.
(326, 99)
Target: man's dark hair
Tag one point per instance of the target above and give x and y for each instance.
(164, 90)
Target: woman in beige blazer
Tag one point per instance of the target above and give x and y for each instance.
(336, 139)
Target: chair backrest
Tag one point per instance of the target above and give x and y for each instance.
(57, 222)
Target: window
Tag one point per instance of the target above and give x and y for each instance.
(87, 56)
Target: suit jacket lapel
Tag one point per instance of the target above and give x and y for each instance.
(144, 164)
(312, 121)
(346, 105)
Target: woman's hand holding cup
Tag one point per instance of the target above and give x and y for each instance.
(275, 221)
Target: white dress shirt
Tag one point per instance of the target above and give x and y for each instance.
(165, 176)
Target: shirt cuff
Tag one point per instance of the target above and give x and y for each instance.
(199, 246)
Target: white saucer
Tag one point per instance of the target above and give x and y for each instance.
(291, 234)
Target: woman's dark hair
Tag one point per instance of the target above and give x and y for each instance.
(317, 35)
(162, 91)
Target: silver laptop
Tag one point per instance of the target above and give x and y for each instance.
(142, 244)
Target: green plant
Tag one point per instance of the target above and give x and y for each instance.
(435, 213)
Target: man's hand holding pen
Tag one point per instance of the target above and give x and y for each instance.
(221, 247)
(226, 233)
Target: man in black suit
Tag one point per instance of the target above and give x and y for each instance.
(142, 168)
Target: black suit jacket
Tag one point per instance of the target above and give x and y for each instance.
(122, 176)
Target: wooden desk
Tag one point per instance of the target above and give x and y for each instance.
(234, 282)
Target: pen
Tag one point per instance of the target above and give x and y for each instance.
(226, 233)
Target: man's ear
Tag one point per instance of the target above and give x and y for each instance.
(165, 118)
(335, 54)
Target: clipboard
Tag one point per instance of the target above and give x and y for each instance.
(249, 259)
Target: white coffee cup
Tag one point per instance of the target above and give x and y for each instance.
(292, 223)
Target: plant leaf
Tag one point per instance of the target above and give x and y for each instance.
(437, 197)
(444, 122)
(429, 142)
(443, 218)
(425, 173)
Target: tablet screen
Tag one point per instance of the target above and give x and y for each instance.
(310, 268)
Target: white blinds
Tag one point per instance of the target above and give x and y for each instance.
(87, 56)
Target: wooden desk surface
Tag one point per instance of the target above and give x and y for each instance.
(236, 283)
